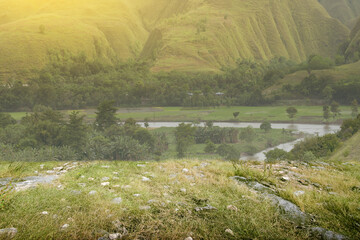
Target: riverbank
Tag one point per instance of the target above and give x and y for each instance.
(177, 199)
(275, 114)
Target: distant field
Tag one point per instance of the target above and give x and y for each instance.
(306, 114)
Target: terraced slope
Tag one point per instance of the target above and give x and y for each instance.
(177, 34)
(219, 32)
(353, 50)
(347, 11)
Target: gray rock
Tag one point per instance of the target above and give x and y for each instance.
(285, 179)
(144, 207)
(188, 238)
(114, 236)
(145, 179)
(324, 234)
(232, 208)
(65, 226)
(105, 179)
(8, 232)
(117, 200)
(289, 210)
(260, 187)
(76, 192)
(240, 179)
(207, 207)
(299, 193)
(229, 231)
(92, 192)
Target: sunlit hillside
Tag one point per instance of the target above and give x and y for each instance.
(177, 34)
(347, 11)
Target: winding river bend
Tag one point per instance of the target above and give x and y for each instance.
(313, 129)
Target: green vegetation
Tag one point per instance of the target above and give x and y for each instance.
(191, 35)
(260, 142)
(306, 114)
(91, 216)
(347, 11)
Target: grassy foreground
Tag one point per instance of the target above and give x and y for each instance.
(165, 208)
(306, 114)
(158, 200)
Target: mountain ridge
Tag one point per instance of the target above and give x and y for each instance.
(191, 35)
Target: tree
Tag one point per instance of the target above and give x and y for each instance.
(266, 126)
(75, 131)
(273, 156)
(326, 112)
(248, 134)
(354, 108)
(328, 93)
(335, 109)
(210, 147)
(291, 111)
(236, 114)
(185, 136)
(228, 152)
(105, 115)
(146, 122)
(6, 119)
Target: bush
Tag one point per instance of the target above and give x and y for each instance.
(308, 157)
(6, 119)
(228, 152)
(266, 126)
(318, 146)
(210, 147)
(276, 155)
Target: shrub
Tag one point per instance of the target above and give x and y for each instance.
(228, 152)
(276, 155)
(266, 126)
(210, 147)
(308, 157)
(319, 146)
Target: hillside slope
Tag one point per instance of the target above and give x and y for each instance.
(353, 49)
(218, 33)
(177, 34)
(347, 71)
(347, 11)
(349, 151)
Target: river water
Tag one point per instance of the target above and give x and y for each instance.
(313, 129)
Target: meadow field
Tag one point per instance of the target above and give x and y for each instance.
(306, 114)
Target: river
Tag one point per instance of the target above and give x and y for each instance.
(313, 129)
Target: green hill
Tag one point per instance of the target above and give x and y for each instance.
(176, 34)
(347, 11)
(353, 49)
(349, 151)
(347, 71)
